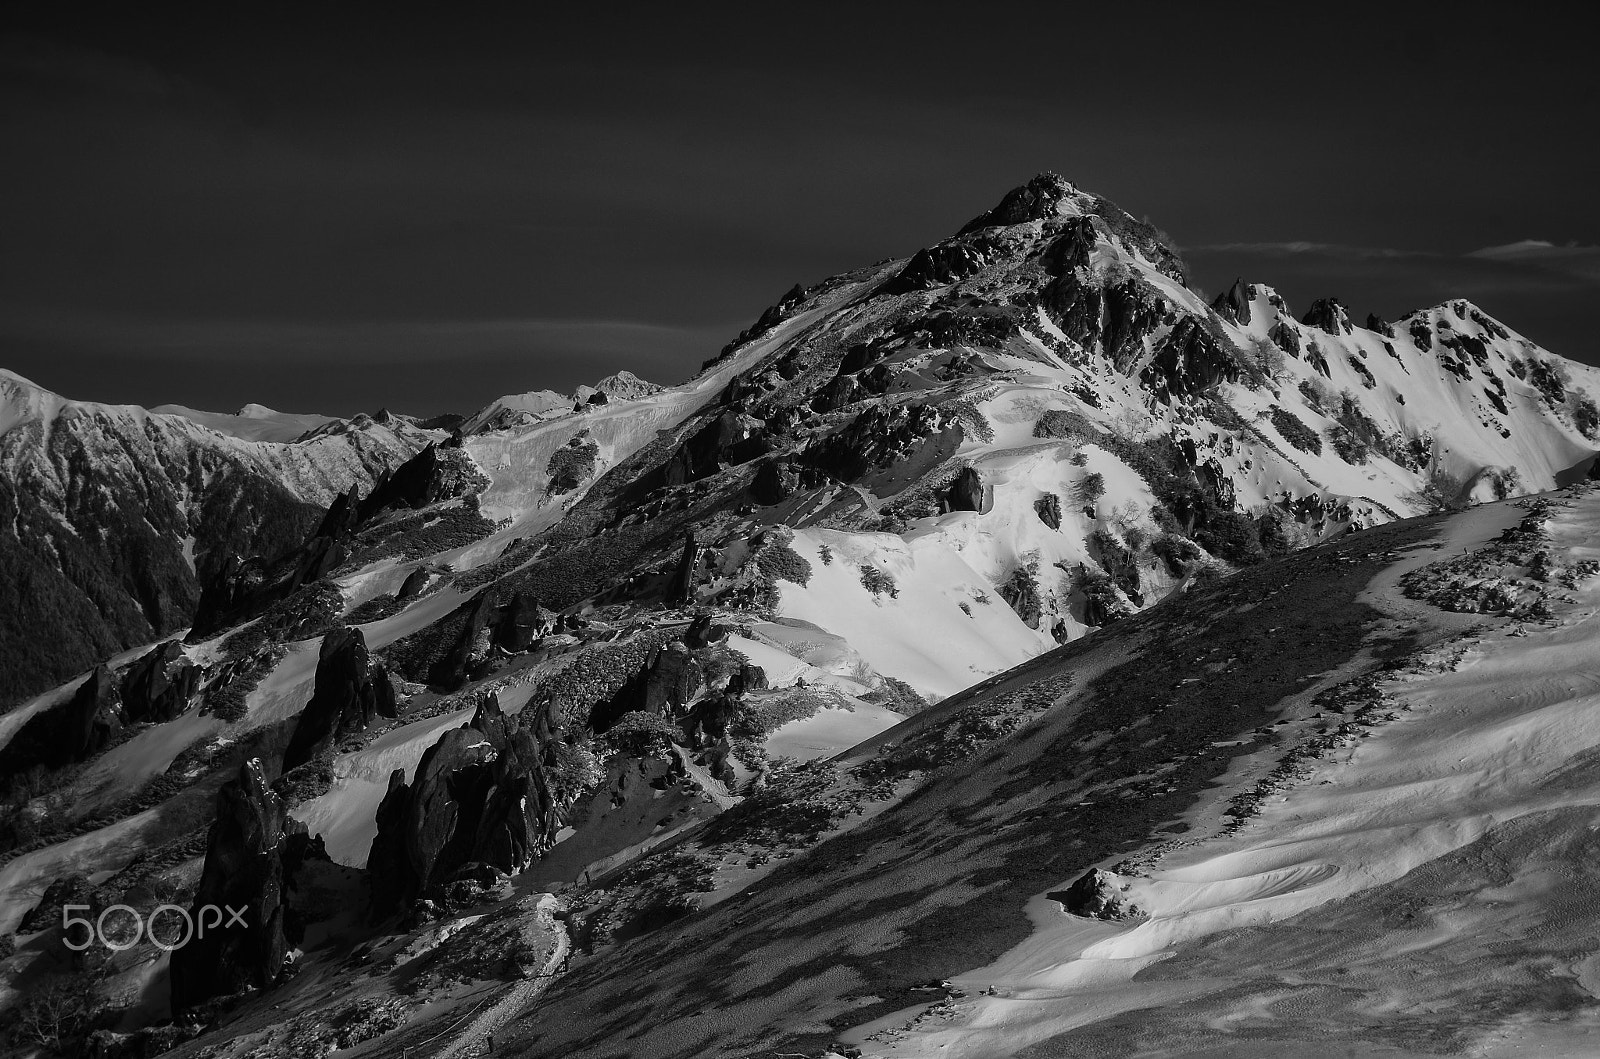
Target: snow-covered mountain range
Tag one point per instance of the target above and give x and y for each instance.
(607, 644)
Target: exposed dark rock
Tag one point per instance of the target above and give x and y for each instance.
(412, 586)
(1315, 358)
(664, 686)
(732, 438)
(1285, 338)
(1036, 200)
(1188, 361)
(470, 651)
(684, 576)
(1072, 248)
(1113, 321)
(1095, 895)
(1327, 314)
(1380, 325)
(349, 693)
(481, 796)
(253, 853)
(1234, 303)
(838, 392)
(968, 492)
(936, 266)
(1216, 481)
(748, 678)
(1048, 508)
(1421, 333)
(877, 437)
(703, 632)
(415, 483)
(66, 890)
(776, 480)
(160, 685)
(520, 622)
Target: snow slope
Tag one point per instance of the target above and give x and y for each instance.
(1497, 727)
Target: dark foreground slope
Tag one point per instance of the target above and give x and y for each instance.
(1141, 721)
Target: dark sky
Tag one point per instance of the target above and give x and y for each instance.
(332, 210)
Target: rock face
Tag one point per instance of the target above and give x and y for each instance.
(1188, 361)
(254, 850)
(1048, 508)
(1234, 303)
(349, 693)
(1036, 200)
(1380, 325)
(412, 586)
(84, 725)
(1328, 315)
(732, 438)
(1095, 895)
(161, 685)
(480, 797)
(967, 493)
(669, 679)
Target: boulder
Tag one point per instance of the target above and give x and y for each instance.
(348, 694)
(1285, 338)
(1095, 895)
(968, 492)
(253, 852)
(160, 685)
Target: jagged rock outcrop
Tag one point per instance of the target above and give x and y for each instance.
(1327, 314)
(1071, 248)
(1234, 303)
(664, 685)
(968, 493)
(412, 586)
(684, 575)
(1189, 360)
(1285, 338)
(160, 685)
(732, 438)
(480, 796)
(521, 622)
(1111, 320)
(253, 852)
(73, 731)
(1048, 508)
(1095, 895)
(350, 692)
(936, 266)
(1380, 325)
(470, 649)
(1033, 201)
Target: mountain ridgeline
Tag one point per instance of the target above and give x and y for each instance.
(608, 641)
